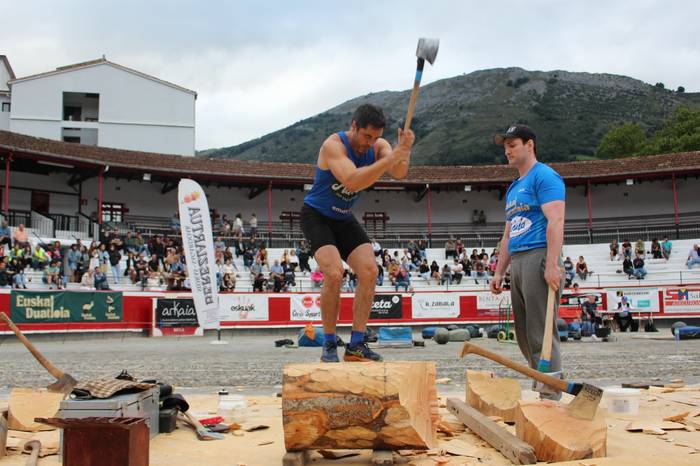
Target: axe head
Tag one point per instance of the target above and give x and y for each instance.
(427, 49)
(64, 384)
(586, 401)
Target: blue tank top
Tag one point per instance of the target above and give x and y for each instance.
(328, 195)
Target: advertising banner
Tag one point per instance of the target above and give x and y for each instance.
(681, 300)
(640, 299)
(386, 306)
(435, 305)
(243, 307)
(29, 307)
(306, 307)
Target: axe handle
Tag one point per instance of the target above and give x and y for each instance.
(53, 370)
(546, 354)
(414, 94)
(554, 382)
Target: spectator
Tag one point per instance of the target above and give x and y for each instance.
(5, 276)
(450, 249)
(638, 267)
(623, 316)
(422, 246)
(16, 269)
(175, 274)
(73, 257)
(104, 258)
(392, 271)
(219, 244)
(457, 272)
(39, 259)
(289, 277)
(26, 256)
(655, 249)
(237, 228)
(224, 225)
(83, 264)
(666, 247)
(175, 223)
(424, 270)
(435, 272)
(459, 246)
(493, 262)
(114, 260)
(569, 271)
(253, 222)
(475, 217)
(259, 283)
(446, 276)
(154, 271)
(380, 274)
(628, 267)
(130, 243)
(482, 217)
(639, 247)
(228, 283)
(255, 268)
(5, 235)
(140, 271)
(317, 278)
(88, 279)
(376, 247)
(402, 279)
(141, 245)
(55, 251)
(94, 259)
(248, 257)
(20, 237)
(293, 260)
(101, 280)
(277, 276)
(408, 264)
(614, 250)
(52, 275)
(474, 257)
(479, 272)
(693, 257)
(347, 284)
(589, 313)
(582, 268)
(304, 254)
(262, 254)
(626, 248)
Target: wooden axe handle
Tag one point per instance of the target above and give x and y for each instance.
(414, 95)
(53, 370)
(546, 354)
(559, 384)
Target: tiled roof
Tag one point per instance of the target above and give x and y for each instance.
(97, 62)
(285, 173)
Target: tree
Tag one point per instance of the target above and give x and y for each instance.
(680, 89)
(681, 133)
(660, 85)
(621, 141)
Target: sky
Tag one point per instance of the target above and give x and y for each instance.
(259, 66)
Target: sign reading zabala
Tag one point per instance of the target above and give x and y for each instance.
(435, 305)
(386, 306)
(175, 313)
(66, 306)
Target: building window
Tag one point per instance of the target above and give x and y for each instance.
(113, 212)
(6, 106)
(81, 106)
(74, 139)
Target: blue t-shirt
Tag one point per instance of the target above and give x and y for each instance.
(328, 195)
(524, 199)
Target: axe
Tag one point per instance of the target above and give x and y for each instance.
(587, 397)
(426, 51)
(64, 382)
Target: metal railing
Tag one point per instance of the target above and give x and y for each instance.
(43, 225)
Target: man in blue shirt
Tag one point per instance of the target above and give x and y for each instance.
(531, 245)
(349, 162)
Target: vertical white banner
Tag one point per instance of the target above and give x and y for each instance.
(198, 243)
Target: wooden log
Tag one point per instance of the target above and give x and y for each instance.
(3, 432)
(557, 436)
(493, 396)
(382, 406)
(499, 438)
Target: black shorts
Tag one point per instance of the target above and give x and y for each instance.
(319, 230)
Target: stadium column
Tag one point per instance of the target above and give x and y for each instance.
(675, 204)
(8, 159)
(269, 214)
(430, 221)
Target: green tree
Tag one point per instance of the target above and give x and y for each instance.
(622, 141)
(680, 89)
(681, 133)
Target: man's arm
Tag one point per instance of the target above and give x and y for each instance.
(503, 261)
(400, 169)
(554, 212)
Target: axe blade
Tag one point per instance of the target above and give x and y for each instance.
(427, 49)
(585, 403)
(64, 384)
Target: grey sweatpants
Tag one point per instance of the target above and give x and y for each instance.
(529, 297)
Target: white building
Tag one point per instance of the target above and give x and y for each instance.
(105, 104)
(6, 74)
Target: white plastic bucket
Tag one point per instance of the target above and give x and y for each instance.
(623, 400)
(233, 408)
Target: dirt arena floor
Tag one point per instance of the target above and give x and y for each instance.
(251, 364)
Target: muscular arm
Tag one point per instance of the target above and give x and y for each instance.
(333, 157)
(503, 254)
(554, 212)
(403, 155)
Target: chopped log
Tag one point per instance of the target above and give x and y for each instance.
(382, 406)
(556, 435)
(493, 396)
(3, 432)
(517, 451)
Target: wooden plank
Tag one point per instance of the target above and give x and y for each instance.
(3, 431)
(382, 457)
(508, 444)
(295, 458)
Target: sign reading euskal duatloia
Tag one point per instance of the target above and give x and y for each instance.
(29, 307)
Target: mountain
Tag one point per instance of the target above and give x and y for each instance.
(456, 118)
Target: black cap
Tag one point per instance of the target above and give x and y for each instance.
(523, 132)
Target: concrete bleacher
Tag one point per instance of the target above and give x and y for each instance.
(604, 271)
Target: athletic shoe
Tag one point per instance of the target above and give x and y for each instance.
(360, 353)
(330, 352)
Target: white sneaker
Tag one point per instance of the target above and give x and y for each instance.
(594, 338)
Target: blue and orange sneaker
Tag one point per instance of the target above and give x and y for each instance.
(330, 352)
(360, 352)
